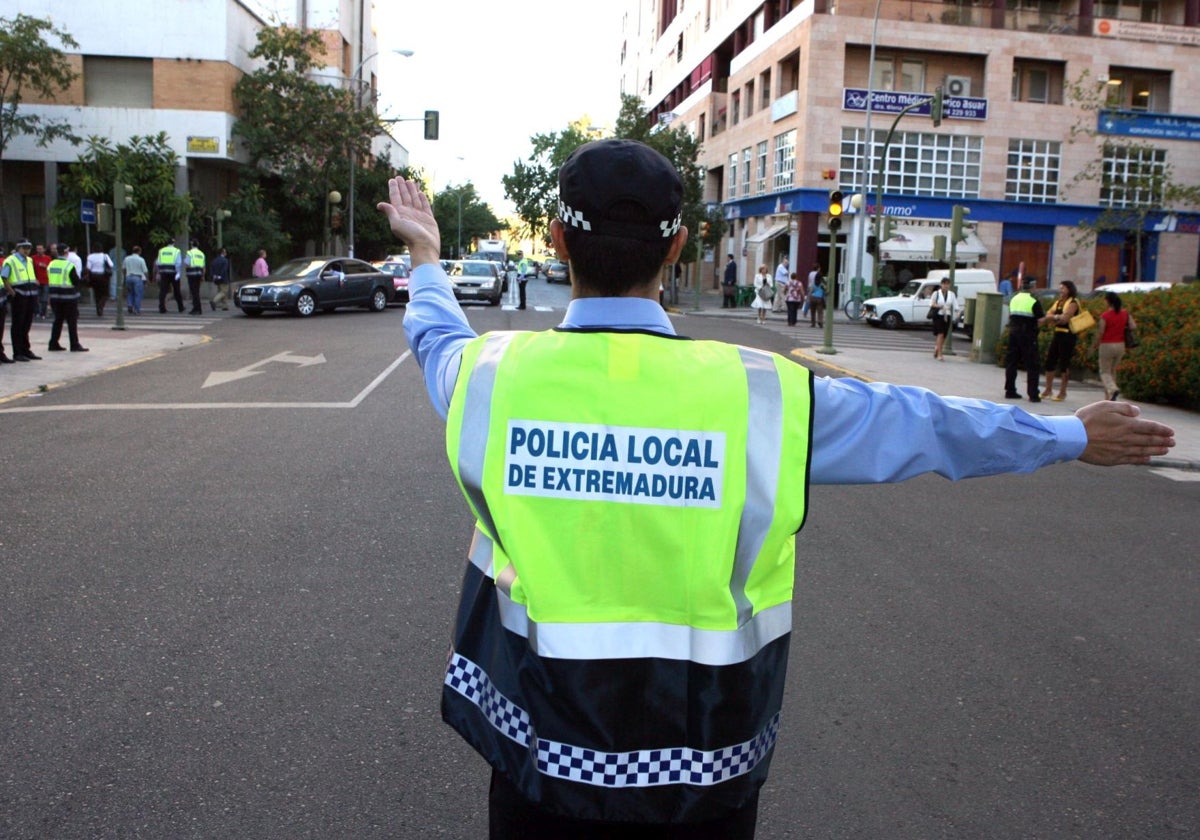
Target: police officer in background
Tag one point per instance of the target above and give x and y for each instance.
(64, 283)
(522, 277)
(21, 286)
(168, 268)
(194, 263)
(622, 638)
(1025, 315)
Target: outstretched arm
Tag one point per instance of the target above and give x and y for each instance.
(411, 218)
(1117, 435)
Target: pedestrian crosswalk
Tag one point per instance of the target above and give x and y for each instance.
(862, 336)
(152, 319)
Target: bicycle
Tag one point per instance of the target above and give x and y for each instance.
(854, 307)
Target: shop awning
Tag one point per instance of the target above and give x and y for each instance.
(916, 245)
(767, 234)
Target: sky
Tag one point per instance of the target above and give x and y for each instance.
(498, 73)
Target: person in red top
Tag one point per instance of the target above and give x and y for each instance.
(41, 260)
(1110, 342)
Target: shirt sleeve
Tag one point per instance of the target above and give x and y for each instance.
(437, 331)
(866, 433)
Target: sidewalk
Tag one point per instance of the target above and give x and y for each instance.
(956, 376)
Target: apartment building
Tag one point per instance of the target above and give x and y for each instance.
(777, 93)
(150, 66)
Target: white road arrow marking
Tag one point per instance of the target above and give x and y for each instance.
(220, 377)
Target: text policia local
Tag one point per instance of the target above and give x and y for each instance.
(585, 462)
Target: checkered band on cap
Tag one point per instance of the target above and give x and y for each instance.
(638, 768)
(574, 218)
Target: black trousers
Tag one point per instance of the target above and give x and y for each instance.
(1022, 350)
(23, 308)
(194, 281)
(65, 311)
(729, 297)
(3, 318)
(512, 817)
(165, 284)
(521, 292)
(793, 308)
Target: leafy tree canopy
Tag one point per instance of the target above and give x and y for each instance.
(29, 65)
(478, 220)
(156, 215)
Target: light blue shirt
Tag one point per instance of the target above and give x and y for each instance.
(863, 433)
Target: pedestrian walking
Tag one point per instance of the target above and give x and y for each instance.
(522, 276)
(677, 603)
(782, 275)
(41, 261)
(1109, 344)
(261, 269)
(99, 269)
(729, 284)
(219, 272)
(794, 296)
(942, 308)
(136, 273)
(816, 302)
(764, 293)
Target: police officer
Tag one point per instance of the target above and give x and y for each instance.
(21, 286)
(64, 301)
(194, 262)
(168, 268)
(622, 637)
(1025, 315)
(522, 277)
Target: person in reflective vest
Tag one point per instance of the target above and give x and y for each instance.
(194, 261)
(1025, 315)
(522, 278)
(168, 268)
(64, 285)
(20, 284)
(622, 634)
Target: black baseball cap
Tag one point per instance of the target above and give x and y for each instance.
(620, 188)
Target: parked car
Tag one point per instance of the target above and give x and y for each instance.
(557, 272)
(307, 284)
(911, 305)
(1127, 288)
(476, 280)
(400, 273)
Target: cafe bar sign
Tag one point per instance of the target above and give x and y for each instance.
(203, 145)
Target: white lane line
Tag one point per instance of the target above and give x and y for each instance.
(354, 403)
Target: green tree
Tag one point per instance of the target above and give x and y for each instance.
(156, 215)
(533, 186)
(252, 225)
(1135, 179)
(375, 239)
(299, 132)
(478, 220)
(29, 65)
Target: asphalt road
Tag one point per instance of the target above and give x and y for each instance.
(225, 613)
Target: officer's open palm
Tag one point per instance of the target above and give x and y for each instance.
(410, 216)
(1117, 435)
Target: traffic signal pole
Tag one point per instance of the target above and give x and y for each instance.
(836, 201)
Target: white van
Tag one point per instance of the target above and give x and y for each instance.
(911, 306)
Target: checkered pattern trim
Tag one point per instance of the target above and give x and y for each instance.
(574, 218)
(640, 768)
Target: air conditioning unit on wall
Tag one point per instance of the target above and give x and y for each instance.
(957, 86)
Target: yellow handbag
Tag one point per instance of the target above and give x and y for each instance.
(1081, 321)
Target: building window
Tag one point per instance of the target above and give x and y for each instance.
(920, 163)
(118, 82)
(1033, 170)
(733, 179)
(746, 162)
(749, 98)
(1038, 81)
(1146, 11)
(765, 87)
(900, 74)
(760, 173)
(1132, 176)
(1136, 89)
(735, 103)
(785, 160)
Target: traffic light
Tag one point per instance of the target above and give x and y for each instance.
(122, 195)
(935, 106)
(431, 125)
(939, 248)
(956, 222)
(836, 197)
(889, 229)
(705, 227)
(104, 218)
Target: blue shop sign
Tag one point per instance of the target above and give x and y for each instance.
(1153, 126)
(893, 102)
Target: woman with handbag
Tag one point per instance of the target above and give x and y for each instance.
(764, 293)
(941, 312)
(1062, 344)
(1116, 333)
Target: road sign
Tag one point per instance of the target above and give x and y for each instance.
(87, 211)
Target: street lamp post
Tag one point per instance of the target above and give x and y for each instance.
(356, 80)
(332, 198)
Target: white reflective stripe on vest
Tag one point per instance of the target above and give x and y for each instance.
(637, 768)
